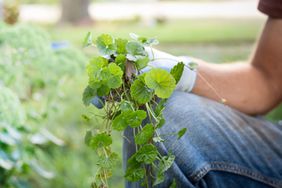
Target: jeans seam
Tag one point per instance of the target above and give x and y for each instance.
(236, 169)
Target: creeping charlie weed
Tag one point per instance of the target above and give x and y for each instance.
(131, 99)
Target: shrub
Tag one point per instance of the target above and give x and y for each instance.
(33, 77)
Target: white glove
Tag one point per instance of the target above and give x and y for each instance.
(159, 59)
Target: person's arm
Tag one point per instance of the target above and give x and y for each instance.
(253, 88)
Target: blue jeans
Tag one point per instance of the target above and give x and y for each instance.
(222, 148)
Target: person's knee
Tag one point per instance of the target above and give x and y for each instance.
(184, 109)
(186, 102)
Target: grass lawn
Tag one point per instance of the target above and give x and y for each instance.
(172, 31)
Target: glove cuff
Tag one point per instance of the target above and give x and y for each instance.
(188, 78)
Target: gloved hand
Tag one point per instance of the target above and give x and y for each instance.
(159, 59)
(99, 102)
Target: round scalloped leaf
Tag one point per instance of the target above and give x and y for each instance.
(100, 140)
(140, 92)
(129, 118)
(115, 78)
(95, 65)
(147, 154)
(108, 162)
(135, 174)
(121, 46)
(135, 49)
(120, 61)
(135, 118)
(161, 81)
(88, 95)
(145, 134)
(120, 122)
(103, 90)
(142, 63)
(106, 44)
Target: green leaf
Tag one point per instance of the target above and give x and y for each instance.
(88, 94)
(125, 105)
(159, 178)
(161, 81)
(135, 119)
(100, 140)
(88, 40)
(121, 46)
(181, 133)
(177, 71)
(140, 92)
(160, 107)
(129, 118)
(120, 61)
(144, 40)
(148, 42)
(135, 174)
(142, 63)
(134, 170)
(115, 77)
(120, 122)
(95, 65)
(166, 162)
(108, 162)
(147, 154)
(103, 76)
(135, 49)
(87, 138)
(151, 42)
(145, 134)
(161, 122)
(173, 185)
(85, 118)
(102, 174)
(103, 90)
(106, 44)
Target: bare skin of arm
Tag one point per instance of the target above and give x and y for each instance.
(253, 88)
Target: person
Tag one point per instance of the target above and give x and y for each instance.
(228, 143)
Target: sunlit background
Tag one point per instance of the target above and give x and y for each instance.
(42, 73)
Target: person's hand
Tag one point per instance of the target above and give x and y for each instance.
(98, 102)
(159, 59)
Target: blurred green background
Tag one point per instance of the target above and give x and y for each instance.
(43, 64)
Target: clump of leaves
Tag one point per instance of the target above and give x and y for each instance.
(18, 149)
(131, 98)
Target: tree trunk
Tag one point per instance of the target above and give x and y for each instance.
(75, 12)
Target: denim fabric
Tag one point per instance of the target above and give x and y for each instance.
(222, 147)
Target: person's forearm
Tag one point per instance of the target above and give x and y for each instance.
(251, 88)
(241, 85)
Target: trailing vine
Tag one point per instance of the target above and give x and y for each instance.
(130, 97)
